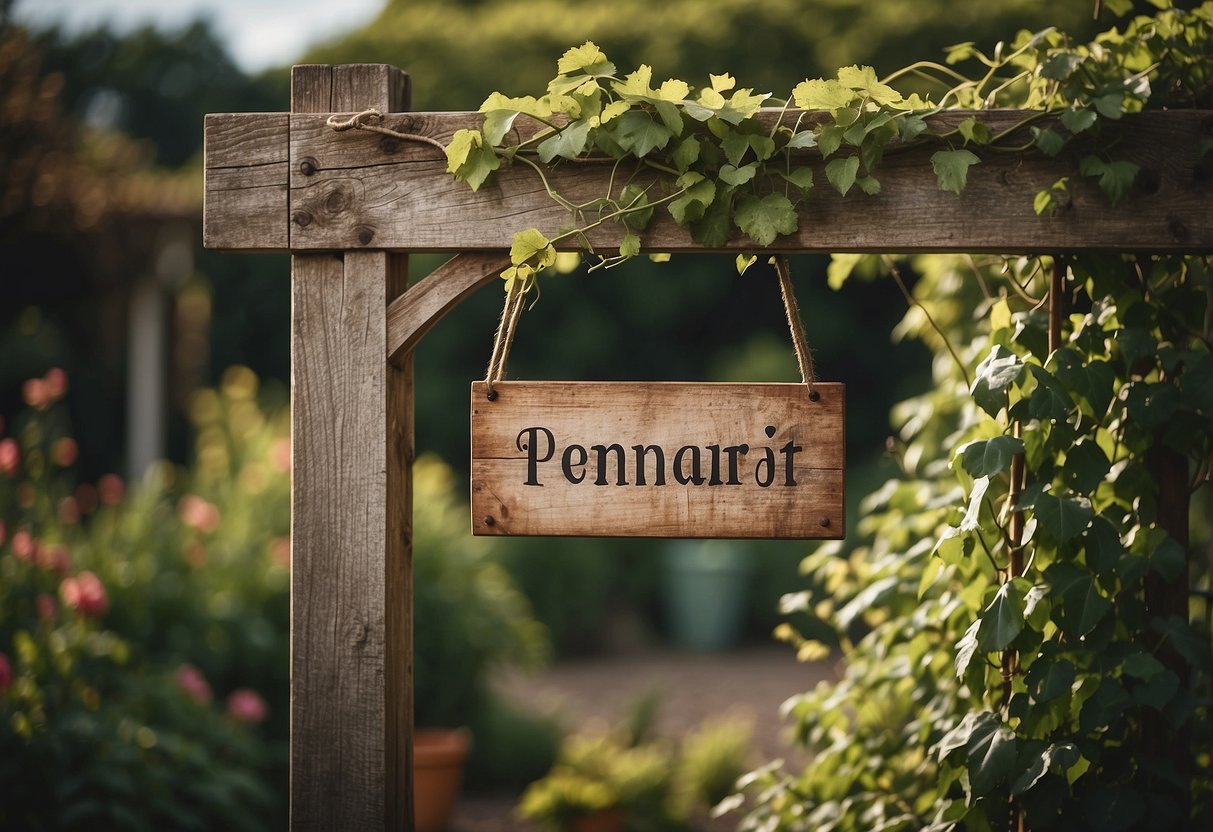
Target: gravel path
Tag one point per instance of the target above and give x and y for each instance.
(750, 683)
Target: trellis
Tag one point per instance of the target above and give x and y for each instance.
(350, 207)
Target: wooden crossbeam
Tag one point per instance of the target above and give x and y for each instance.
(277, 181)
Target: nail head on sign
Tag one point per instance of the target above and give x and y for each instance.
(489, 520)
(825, 521)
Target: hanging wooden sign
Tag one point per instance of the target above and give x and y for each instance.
(601, 459)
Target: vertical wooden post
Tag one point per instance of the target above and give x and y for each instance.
(351, 514)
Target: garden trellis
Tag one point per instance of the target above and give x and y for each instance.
(351, 205)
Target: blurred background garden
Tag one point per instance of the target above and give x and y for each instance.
(144, 407)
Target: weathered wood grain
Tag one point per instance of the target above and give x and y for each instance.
(364, 190)
(509, 498)
(245, 181)
(351, 520)
(413, 314)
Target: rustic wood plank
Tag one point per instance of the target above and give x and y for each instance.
(781, 485)
(245, 181)
(412, 315)
(368, 190)
(351, 521)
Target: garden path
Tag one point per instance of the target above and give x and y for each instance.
(694, 687)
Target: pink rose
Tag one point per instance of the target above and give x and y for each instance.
(10, 457)
(46, 606)
(84, 594)
(111, 489)
(35, 394)
(244, 705)
(193, 684)
(6, 674)
(198, 513)
(56, 383)
(24, 546)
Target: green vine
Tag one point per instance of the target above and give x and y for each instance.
(722, 159)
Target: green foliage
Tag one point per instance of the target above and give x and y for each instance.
(722, 166)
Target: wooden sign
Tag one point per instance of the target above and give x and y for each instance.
(600, 459)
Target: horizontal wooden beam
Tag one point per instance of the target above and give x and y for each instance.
(357, 189)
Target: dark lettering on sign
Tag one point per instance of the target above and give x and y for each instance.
(611, 461)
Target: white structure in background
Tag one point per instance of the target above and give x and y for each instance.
(147, 346)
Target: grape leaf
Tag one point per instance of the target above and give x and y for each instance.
(987, 457)
(841, 173)
(952, 168)
(763, 219)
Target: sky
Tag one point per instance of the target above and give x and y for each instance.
(259, 33)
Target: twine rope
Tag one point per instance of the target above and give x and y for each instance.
(804, 355)
(511, 311)
(370, 120)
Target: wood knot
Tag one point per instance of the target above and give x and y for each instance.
(1179, 231)
(336, 202)
(302, 219)
(359, 633)
(389, 144)
(308, 167)
(1148, 181)
(365, 235)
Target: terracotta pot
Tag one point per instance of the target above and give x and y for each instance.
(604, 820)
(438, 757)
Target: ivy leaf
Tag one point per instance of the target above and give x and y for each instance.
(991, 759)
(1196, 384)
(870, 185)
(1158, 690)
(1082, 606)
(712, 228)
(690, 207)
(1169, 559)
(1063, 517)
(1078, 120)
(863, 80)
(952, 168)
(1086, 466)
(1102, 546)
(586, 59)
(1092, 382)
(987, 457)
(974, 131)
(1063, 756)
(1054, 680)
(841, 173)
(1115, 178)
(829, 139)
(638, 133)
(1049, 401)
(1061, 66)
(1141, 666)
(612, 110)
(735, 145)
(912, 127)
(1105, 705)
(966, 648)
(531, 245)
(802, 178)
(569, 142)
(764, 219)
(820, 94)
(744, 261)
(630, 245)
(1002, 620)
(1048, 140)
(995, 374)
(804, 138)
(635, 198)
(469, 159)
(686, 154)
(976, 727)
(738, 176)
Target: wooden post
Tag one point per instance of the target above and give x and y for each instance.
(351, 513)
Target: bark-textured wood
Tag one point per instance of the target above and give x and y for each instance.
(783, 479)
(364, 190)
(414, 313)
(351, 709)
(246, 156)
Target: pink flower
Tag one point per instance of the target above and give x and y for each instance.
(84, 594)
(23, 545)
(46, 606)
(198, 513)
(193, 684)
(280, 551)
(111, 489)
(65, 451)
(56, 383)
(244, 705)
(35, 394)
(69, 511)
(10, 457)
(6, 674)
